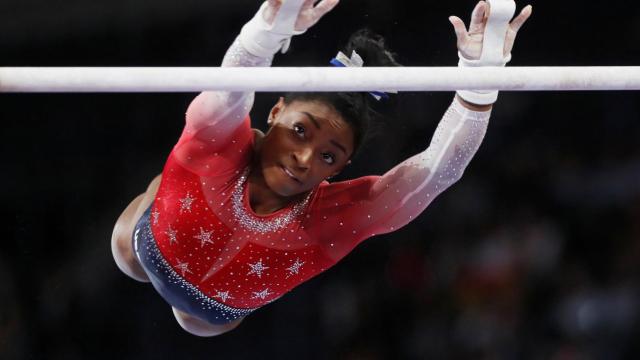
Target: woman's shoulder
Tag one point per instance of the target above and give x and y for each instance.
(346, 191)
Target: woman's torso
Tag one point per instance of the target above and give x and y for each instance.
(206, 230)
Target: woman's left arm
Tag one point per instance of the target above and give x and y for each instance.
(402, 193)
(408, 188)
(386, 203)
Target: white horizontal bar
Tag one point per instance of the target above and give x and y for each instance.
(278, 79)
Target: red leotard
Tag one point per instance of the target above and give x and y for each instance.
(219, 245)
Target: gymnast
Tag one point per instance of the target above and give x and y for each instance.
(238, 218)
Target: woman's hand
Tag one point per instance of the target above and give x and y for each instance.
(271, 29)
(470, 42)
(308, 16)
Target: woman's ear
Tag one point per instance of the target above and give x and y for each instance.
(276, 110)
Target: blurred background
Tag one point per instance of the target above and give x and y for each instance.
(533, 255)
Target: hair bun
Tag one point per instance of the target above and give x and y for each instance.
(371, 47)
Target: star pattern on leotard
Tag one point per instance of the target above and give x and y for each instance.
(295, 268)
(171, 233)
(204, 237)
(155, 215)
(222, 295)
(241, 238)
(183, 267)
(257, 268)
(185, 203)
(261, 294)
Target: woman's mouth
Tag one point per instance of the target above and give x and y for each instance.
(290, 174)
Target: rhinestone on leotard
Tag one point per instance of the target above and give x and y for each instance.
(254, 223)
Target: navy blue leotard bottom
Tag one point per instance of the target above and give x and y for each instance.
(175, 290)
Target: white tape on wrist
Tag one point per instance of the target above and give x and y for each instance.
(500, 14)
(264, 40)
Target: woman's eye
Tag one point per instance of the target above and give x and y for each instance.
(298, 129)
(328, 158)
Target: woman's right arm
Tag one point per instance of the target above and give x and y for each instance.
(261, 38)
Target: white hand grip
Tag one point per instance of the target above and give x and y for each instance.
(264, 40)
(286, 17)
(500, 14)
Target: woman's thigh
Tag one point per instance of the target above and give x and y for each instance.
(121, 244)
(145, 202)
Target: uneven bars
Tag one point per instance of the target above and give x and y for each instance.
(279, 79)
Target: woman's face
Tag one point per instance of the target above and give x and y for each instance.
(307, 142)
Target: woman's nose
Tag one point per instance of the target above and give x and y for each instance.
(303, 157)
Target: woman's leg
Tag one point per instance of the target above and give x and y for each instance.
(121, 245)
(199, 327)
(123, 253)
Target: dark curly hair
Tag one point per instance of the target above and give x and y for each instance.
(355, 107)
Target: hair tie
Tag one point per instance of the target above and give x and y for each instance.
(341, 60)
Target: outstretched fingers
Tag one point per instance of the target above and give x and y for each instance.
(514, 26)
(274, 3)
(324, 7)
(460, 29)
(310, 14)
(517, 23)
(308, 4)
(478, 18)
